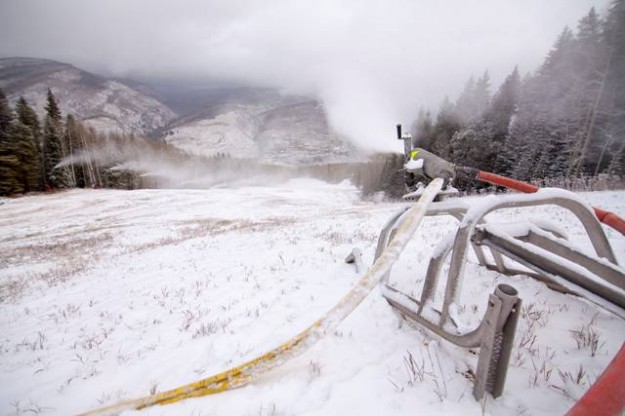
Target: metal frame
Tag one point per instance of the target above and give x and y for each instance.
(542, 249)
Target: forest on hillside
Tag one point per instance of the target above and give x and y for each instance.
(565, 121)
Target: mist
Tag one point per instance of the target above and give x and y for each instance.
(373, 64)
(154, 166)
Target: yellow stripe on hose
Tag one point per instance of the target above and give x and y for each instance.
(244, 373)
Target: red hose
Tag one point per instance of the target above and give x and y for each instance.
(507, 182)
(606, 217)
(607, 396)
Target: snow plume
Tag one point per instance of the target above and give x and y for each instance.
(163, 166)
(372, 63)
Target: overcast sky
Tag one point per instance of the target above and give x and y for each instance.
(372, 63)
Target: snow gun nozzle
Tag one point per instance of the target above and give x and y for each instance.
(399, 137)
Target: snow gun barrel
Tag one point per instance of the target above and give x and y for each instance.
(399, 132)
(606, 217)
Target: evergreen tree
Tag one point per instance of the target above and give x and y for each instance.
(482, 95)
(504, 104)
(422, 130)
(614, 39)
(55, 177)
(465, 103)
(501, 110)
(6, 114)
(28, 117)
(9, 164)
(591, 65)
(25, 152)
(474, 99)
(545, 119)
(471, 146)
(52, 108)
(519, 151)
(526, 144)
(560, 53)
(447, 124)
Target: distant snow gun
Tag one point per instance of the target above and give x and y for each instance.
(434, 166)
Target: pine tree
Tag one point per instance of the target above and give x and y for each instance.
(614, 39)
(447, 124)
(558, 55)
(527, 141)
(546, 118)
(9, 164)
(482, 95)
(518, 154)
(421, 130)
(55, 177)
(25, 152)
(500, 112)
(464, 104)
(474, 99)
(28, 117)
(52, 108)
(6, 114)
(471, 146)
(504, 104)
(591, 65)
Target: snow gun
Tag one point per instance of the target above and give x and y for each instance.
(537, 245)
(606, 217)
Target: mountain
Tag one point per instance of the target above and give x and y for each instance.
(239, 122)
(106, 104)
(260, 123)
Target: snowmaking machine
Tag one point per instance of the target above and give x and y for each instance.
(421, 166)
(537, 249)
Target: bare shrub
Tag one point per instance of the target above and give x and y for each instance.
(314, 369)
(415, 371)
(587, 337)
(205, 329)
(541, 373)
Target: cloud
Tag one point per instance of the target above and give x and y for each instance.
(373, 63)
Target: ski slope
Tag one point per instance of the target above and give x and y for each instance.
(110, 295)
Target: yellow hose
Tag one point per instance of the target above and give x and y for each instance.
(244, 373)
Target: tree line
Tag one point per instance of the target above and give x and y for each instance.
(64, 153)
(566, 120)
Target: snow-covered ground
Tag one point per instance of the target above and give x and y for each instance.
(229, 132)
(108, 295)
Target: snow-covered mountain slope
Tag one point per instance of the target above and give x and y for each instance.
(231, 133)
(106, 104)
(300, 133)
(107, 295)
(264, 125)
